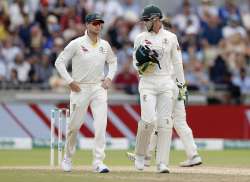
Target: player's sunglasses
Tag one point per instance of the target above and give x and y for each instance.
(95, 23)
(146, 19)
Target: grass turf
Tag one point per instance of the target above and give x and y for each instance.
(229, 158)
(58, 176)
(40, 157)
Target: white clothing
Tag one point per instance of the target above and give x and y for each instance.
(9, 54)
(153, 94)
(166, 83)
(3, 69)
(183, 22)
(203, 9)
(88, 63)
(244, 84)
(183, 130)
(87, 60)
(166, 45)
(16, 17)
(95, 96)
(157, 99)
(110, 10)
(158, 90)
(229, 31)
(22, 70)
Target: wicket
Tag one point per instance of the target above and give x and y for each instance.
(58, 115)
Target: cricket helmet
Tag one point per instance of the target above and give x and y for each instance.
(150, 12)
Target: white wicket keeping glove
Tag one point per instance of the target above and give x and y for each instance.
(183, 93)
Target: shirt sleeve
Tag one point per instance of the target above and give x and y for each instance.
(112, 63)
(177, 61)
(136, 45)
(63, 59)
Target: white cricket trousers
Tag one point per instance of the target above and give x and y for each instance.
(183, 130)
(95, 96)
(157, 95)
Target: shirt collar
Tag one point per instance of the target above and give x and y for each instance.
(89, 40)
(153, 33)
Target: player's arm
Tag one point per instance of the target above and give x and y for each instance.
(177, 61)
(112, 64)
(178, 69)
(136, 45)
(61, 63)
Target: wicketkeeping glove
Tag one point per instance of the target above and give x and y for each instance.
(183, 93)
(147, 67)
(146, 58)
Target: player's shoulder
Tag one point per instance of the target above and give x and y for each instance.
(104, 43)
(140, 36)
(169, 34)
(75, 41)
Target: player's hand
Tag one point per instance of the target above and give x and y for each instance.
(183, 93)
(74, 87)
(147, 67)
(145, 55)
(106, 84)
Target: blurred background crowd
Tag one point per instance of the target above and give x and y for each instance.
(215, 40)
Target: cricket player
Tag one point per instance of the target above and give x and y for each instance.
(185, 134)
(156, 53)
(88, 85)
(181, 127)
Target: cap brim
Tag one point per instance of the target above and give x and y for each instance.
(100, 20)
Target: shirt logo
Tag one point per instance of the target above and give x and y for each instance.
(148, 42)
(84, 49)
(167, 122)
(101, 50)
(165, 41)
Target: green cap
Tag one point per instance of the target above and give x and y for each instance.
(150, 12)
(93, 17)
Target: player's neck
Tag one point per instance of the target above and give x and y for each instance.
(156, 29)
(93, 37)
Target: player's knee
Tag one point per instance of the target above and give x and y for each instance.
(145, 125)
(182, 127)
(72, 131)
(149, 119)
(186, 131)
(73, 127)
(166, 123)
(179, 117)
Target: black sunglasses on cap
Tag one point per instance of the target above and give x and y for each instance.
(95, 23)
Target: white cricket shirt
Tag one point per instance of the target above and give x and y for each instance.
(166, 45)
(88, 60)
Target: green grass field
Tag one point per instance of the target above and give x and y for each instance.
(32, 166)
